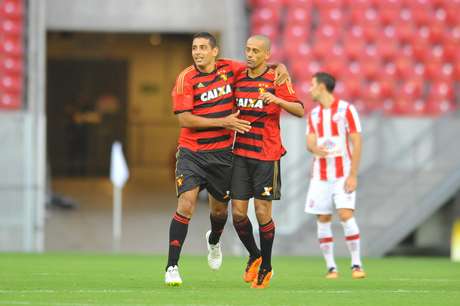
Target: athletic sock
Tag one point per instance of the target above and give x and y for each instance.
(177, 233)
(244, 230)
(217, 226)
(353, 240)
(326, 243)
(267, 235)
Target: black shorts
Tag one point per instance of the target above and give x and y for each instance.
(210, 170)
(259, 179)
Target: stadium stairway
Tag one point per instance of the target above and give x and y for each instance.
(410, 168)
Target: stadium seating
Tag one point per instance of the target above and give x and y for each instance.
(11, 53)
(399, 57)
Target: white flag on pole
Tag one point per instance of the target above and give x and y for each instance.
(119, 172)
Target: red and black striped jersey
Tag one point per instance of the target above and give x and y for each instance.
(263, 141)
(208, 95)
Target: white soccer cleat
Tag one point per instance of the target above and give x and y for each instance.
(172, 276)
(214, 253)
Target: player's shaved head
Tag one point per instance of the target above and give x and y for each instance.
(263, 40)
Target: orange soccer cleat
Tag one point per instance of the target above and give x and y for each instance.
(251, 269)
(263, 279)
(332, 273)
(357, 272)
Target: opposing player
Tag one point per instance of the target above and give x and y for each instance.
(203, 103)
(256, 166)
(331, 127)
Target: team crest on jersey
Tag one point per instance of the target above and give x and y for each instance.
(267, 191)
(216, 92)
(248, 102)
(262, 88)
(223, 75)
(180, 180)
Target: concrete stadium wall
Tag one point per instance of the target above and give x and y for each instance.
(174, 16)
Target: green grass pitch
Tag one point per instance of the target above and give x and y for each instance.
(82, 279)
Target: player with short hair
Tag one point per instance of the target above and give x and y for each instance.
(256, 165)
(203, 103)
(331, 127)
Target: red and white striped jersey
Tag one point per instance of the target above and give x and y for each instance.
(332, 127)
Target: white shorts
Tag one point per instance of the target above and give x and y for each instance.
(323, 194)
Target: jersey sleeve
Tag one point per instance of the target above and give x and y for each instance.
(287, 93)
(237, 67)
(182, 95)
(310, 127)
(352, 119)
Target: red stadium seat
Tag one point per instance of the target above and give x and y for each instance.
(354, 47)
(308, 4)
(264, 15)
(365, 17)
(353, 86)
(299, 51)
(373, 96)
(422, 17)
(371, 68)
(336, 66)
(10, 84)
(328, 32)
(11, 65)
(328, 4)
(11, 45)
(274, 3)
(360, 4)
(387, 86)
(335, 17)
(296, 34)
(434, 33)
(299, 16)
(454, 35)
(11, 9)
(11, 27)
(389, 4)
(456, 72)
(341, 90)
(302, 91)
(421, 50)
(269, 30)
(404, 67)
(323, 48)
(387, 48)
(435, 107)
(404, 106)
(436, 70)
(451, 52)
(441, 90)
(302, 70)
(418, 4)
(412, 88)
(9, 101)
(404, 31)
(388, 16)
(277, 53)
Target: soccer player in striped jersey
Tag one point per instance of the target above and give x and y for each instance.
(256, 172)
(203, 103)
(331, 127)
